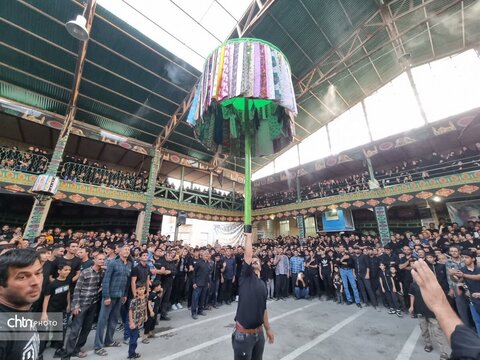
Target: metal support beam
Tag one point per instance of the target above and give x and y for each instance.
(40, 208)
(353, 43)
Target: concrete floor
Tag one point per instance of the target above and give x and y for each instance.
(303, 330)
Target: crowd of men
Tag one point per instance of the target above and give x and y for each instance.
(34, 160)
(436, 164)
(80, 169)
(456, 161)
(93, 277)
(216, 193)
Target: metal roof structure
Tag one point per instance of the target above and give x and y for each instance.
(133, 87)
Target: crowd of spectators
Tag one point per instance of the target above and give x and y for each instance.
(216, 193)
(105, 277)
(34, 160)
(437, 164)
(80, 169)
(76, 169)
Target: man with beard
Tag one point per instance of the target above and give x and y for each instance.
(166, 267)
(325, 269)
(21, 278)
(248, 340)
(362, 271)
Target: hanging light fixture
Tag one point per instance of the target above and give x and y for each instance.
(78, 28)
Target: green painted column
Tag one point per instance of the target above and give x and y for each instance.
(210, 184)
(38, 215)
(247, 214)
(182, 175)
(382, 221)
(150, 195)
(371, 172)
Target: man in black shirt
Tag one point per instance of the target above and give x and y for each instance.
(21, 279)
(325, 270)
(167, 269)
(248, 340)
(200, 283)
(84, 255)
(464, 342)
(362, 272)
(428, 324)
(346, 264)
(71, 259)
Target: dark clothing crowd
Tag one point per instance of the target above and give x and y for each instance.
(421, 168)
(113, 284)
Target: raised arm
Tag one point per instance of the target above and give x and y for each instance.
(247, 257)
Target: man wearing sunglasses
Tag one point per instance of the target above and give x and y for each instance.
(248, 340)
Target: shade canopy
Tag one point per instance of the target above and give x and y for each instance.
(237, 70)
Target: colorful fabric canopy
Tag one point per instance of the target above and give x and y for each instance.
(239, 69)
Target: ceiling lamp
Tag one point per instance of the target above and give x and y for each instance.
(405, 60)
(77, 28)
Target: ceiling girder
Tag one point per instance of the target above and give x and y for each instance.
(307, 83)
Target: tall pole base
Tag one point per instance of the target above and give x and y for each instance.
(247, 217)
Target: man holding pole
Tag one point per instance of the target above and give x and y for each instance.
(248, 340)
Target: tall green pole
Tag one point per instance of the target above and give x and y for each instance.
(247, 216)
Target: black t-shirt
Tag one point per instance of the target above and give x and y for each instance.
(252, 301)
(405, 274)
(156, 300)
(13, 346)
(74, 263)
(201, 273)
(346, 263)
(58, 291)
(141, 273)
(86, 264)
(324, 263)
(419, 305)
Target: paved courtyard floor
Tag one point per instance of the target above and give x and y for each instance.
(304, 329)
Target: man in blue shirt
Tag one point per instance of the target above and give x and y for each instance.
(114, 294)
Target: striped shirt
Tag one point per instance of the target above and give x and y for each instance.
(283, 266)
(87, 290)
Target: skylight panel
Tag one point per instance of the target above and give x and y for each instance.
(191, 30)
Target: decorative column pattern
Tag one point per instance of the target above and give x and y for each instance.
(182, 175)
(301, 226)
(382, 221)
(210, 184)
(37, 218)
(150, 195)
(371, 172)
